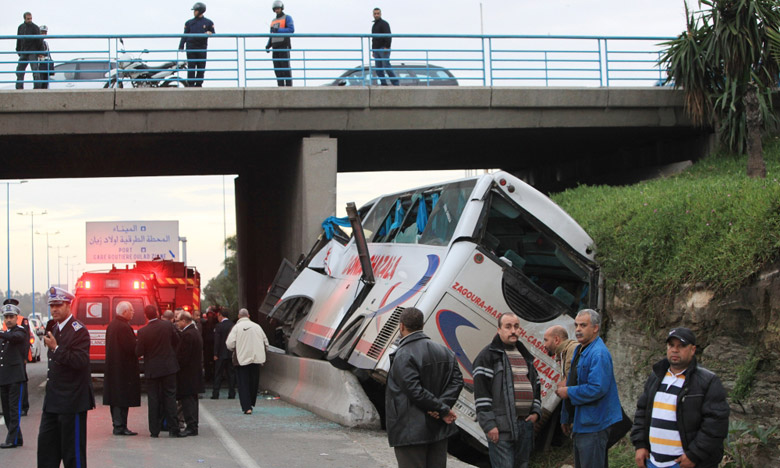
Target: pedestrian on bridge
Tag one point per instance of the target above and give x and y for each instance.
(62, 436)
(282, 24)
(27, 49)
(122, 382)
(248, 341)
(196, 46)
(380, 48)
(13, 375)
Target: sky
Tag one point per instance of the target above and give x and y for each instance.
(197, 202)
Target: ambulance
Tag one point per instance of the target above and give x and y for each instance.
(463, 252)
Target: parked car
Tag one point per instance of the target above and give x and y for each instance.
(82, 73)
(37, 326)
(408, 75)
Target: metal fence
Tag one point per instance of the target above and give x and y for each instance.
(238, 60)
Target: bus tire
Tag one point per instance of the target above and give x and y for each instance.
(344, 344)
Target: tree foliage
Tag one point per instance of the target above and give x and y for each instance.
(222, 290)
(727, 61)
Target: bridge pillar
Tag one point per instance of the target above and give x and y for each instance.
(281, 202)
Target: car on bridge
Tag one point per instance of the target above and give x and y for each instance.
(82, 73)
(408, 75)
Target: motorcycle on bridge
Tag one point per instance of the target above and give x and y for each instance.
(140, 74)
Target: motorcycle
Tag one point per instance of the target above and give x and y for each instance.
(134, 69)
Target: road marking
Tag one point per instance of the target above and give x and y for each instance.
(233, 447)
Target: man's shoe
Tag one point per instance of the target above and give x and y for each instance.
(190, 432)
(177, 434)
(125, 432)
(5, 446)
(231, 397)
(215, 397)
(24, 412)
(154, 436)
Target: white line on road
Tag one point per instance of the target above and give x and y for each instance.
(233, 447)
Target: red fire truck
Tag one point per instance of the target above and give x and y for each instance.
(165, 284)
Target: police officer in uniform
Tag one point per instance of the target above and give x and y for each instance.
(13, 374)
(62, 436)
(196, 46)
(282, 24)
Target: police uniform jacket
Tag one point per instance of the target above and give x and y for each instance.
(122, 383)
(69, 385)
(189, 354)
(200, 25)
(157, 343)
(221, 332)
(12, 356)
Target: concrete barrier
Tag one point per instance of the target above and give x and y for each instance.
(320, 388)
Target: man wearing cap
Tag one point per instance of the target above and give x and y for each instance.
(25, 324)
(12, 374)
(62, 436)
(682, 417)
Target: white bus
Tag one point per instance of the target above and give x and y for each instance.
(463, 252)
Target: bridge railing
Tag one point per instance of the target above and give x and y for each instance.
(238, 60)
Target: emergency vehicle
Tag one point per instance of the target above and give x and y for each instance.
(165, 284)
(463, 253)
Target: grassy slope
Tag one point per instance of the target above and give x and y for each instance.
(711, 224)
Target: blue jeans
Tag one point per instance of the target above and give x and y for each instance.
(590, 449)
(382, 58)
(513, 453)
(649, 464)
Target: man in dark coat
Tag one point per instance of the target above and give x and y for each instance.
(423, 384)
(209, 324)
(122, 383)
(157, 343)
(27, 48)
(189, 380)
(13, 376)
(62, 436)
(223, 358)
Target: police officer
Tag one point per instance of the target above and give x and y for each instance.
(196, 46)
(281, 57)
(24, 323)
(12, 374)
(63, 432)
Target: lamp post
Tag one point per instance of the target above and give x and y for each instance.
(73, 273)
(67, 275)
(48, 279)
(59, 257)
(8, 228)
(32, 249)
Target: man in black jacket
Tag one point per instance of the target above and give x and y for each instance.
(507, 395)
(62, 436)
(122, 383)
(157, 343)
(13, 376)
(189, 380)
(423, 384)
(380, 46)
(223, 358)
(682, 417)
(27, 49)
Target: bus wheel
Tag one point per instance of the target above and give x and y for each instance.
(342, 346)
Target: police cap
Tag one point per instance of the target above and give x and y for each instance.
(59, 295)
(10, 309)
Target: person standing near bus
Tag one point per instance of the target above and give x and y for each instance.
(196, 46)
(223, 358)
(282, 24)
(62, 436)
(13, 376)
(122, 383)
(247, 339)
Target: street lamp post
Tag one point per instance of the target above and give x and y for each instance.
(67, 275)
(32, 249)
(48, 278)
(8, 228)
(59, 257)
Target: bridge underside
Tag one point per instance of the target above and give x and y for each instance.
(287, 148)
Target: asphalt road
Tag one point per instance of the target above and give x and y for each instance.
(276, 435)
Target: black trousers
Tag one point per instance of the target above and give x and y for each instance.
(196, 68)
(24, 60)
(282, 68)
(433, 455)
(11, 397)
(248, 380)
(119, 417)
(162, 399)
(62, 438)
(224, 368)
(189, 408)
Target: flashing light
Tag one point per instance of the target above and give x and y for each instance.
(32, 340)
(87, 284)
(186, 308)
(139, 284)
(502, 182)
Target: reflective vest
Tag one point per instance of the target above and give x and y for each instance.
(280, 23)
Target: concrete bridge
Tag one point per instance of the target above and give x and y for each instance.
(287, 145)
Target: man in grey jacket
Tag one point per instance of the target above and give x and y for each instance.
(423, 384)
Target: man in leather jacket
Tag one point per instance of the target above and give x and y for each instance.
(423, 384)
(682, 417)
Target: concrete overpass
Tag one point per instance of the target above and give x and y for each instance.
(287, 145)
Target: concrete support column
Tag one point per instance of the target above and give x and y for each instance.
(281, 201)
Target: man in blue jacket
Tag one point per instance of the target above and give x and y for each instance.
(196, 46)
(590, 397)
(282, 24)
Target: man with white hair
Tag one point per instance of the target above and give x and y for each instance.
(249, 342)
(122, 382)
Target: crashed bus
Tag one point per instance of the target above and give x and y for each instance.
(463, 252)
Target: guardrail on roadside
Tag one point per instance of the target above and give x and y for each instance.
(237, 60)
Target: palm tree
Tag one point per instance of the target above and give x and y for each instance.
(726, 62)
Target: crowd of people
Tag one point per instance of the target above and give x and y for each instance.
(34, 52)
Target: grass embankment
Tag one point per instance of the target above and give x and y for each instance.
(709, 224)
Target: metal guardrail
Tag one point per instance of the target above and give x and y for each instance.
(238, 60)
